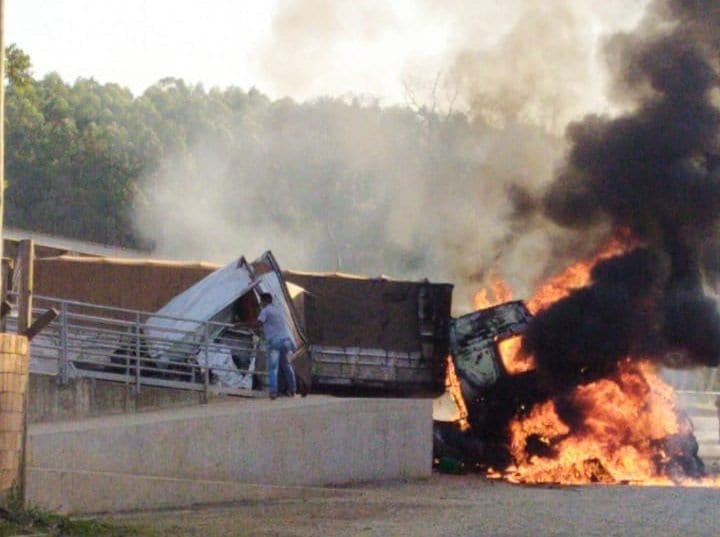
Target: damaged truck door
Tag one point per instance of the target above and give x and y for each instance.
(474, 340)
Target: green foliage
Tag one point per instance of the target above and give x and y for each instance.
(71, 158)
(18, 520)
(359, 186)
(18, 67)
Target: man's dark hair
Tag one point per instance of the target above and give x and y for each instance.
(266, 298)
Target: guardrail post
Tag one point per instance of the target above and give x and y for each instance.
(137, 352)
(63, 356)
(26, 257)
(207, 361)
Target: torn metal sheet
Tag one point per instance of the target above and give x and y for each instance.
(223, 368)
(184, 320)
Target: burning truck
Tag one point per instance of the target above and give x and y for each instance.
(637, 196)
(563, 388)
(577, 401)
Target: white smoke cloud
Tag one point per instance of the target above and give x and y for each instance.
(519, 70)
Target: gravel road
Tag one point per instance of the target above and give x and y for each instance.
(465, 506)
(455, 506)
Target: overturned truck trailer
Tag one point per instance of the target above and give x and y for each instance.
(374, 333)
(350, 332)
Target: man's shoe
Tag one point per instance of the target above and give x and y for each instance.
(273, 396)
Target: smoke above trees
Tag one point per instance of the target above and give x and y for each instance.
(653, 171)
(447, 186)
(467, 179)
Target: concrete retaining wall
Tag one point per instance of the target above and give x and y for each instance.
(86, 397)
(239, 449)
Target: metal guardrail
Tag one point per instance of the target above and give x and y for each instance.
(701, 379)
(101, 342)
(91, 341)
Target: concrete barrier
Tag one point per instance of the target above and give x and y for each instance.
(87, 397)
(237, 449)
(117, 493)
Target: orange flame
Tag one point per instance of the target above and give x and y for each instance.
(626, 418)
(559, 286)
(498, 293)
(573, 277)
(452, 386)
(514, 360)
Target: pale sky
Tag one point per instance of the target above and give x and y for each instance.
(216, 42)
(137, 42)
(300, 48)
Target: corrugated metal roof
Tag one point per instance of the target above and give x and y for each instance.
(71, 245)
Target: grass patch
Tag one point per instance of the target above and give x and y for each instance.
(17, 520)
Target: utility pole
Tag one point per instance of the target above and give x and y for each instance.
(3, 274)
(4, 264)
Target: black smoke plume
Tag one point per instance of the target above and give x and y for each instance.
(653, 172)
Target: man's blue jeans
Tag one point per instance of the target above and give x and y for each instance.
(277, 358)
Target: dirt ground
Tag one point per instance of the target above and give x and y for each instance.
(460, 506)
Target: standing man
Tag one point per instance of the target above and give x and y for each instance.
(278, 344)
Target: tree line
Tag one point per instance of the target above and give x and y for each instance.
(353, 184)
